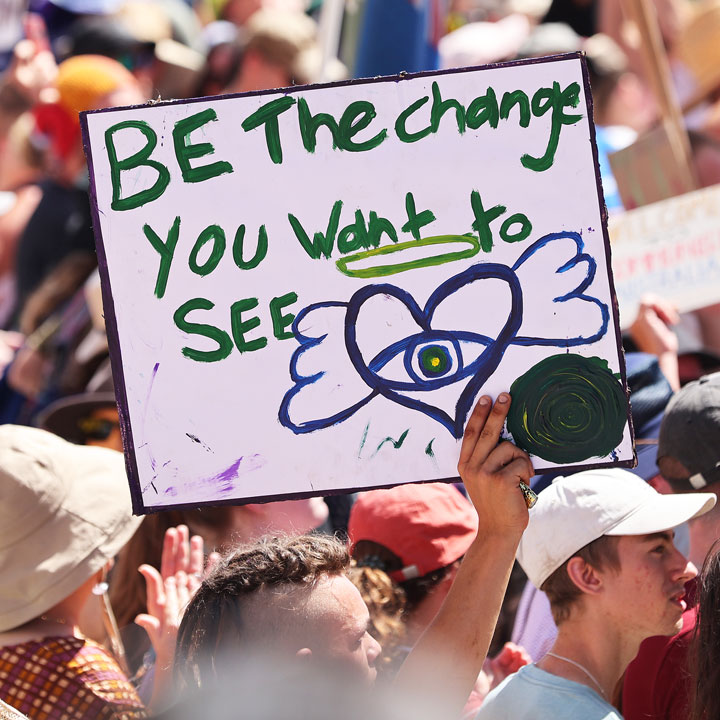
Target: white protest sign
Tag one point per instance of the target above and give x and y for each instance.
(308, 290)
(670, 248)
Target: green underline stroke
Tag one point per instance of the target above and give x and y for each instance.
(384, 270)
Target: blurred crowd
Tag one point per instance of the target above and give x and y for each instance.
(292, 607)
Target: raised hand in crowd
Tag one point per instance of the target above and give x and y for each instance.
(508, 661)
(183, 566)
(31, 75)
(448, 658)
(652, 333)
(495, 669)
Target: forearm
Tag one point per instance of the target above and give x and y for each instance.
(668, 362)
(447, 659)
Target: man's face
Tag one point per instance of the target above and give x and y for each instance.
(343, 619)
(646, 595)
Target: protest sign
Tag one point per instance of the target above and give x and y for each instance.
(307, 290)
(651, 169)
(670, 248)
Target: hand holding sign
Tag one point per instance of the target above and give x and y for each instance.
(491, 472)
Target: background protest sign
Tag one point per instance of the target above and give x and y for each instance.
(670, 248)
(306, 291)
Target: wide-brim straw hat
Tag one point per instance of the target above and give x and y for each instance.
(65, 512)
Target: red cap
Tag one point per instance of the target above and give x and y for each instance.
(427, 526)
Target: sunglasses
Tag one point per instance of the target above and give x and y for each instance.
(97, 428)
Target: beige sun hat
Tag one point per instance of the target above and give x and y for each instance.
(65, 512)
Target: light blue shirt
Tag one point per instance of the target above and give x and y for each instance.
(533, 694)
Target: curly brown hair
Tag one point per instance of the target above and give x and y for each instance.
(385, 601)
(223, 614)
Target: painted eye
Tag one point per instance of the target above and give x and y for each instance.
(428, 361)
(434, 361)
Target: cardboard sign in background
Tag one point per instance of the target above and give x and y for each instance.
(670, 248)
(290, 318)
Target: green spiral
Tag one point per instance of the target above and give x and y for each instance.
(568, 408)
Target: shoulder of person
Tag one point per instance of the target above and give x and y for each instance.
(533, 694)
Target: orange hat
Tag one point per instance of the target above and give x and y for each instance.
(427, 526)
(82, 81)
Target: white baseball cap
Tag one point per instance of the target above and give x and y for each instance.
(580, 508)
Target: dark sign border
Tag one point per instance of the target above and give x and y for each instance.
(139, 507)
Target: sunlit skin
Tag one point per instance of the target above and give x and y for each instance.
(647, 594)
(344, 639)
(619, 608)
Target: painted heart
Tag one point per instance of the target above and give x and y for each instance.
(432, 355)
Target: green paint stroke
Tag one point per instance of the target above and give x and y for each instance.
(568, 408)
(429, 449)
(397, 444)
(362, 441)
(383, 270)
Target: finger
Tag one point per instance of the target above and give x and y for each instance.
(154, 589)
(169, 552)
(667, 313)
(182, 559)
(517, 471)
(473, 429)
(183, 595)
(197, 557)
(172, 610)
(24, 50)
(151, 625)
(490, 433)
(503, 454)
(193, 583)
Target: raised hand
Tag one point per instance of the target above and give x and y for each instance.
(182, 568)
(492, 470)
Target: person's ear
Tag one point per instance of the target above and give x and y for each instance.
(584, 576)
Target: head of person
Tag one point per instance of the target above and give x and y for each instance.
(689, 452)
(280, 49)
(599, 540)
(86, 419)
(65, 513)
(417, 534)
(285, 598)
(83, 82)
(222, 529)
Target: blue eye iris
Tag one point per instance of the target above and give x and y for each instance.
(434, 361)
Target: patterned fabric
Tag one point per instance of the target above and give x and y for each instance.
(66, 678)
